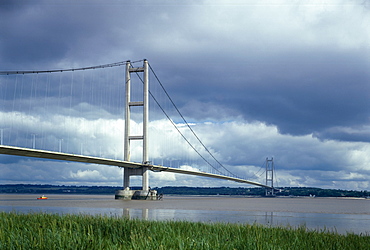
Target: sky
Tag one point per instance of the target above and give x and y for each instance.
(256, 79)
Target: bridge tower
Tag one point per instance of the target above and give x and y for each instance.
(269, 177)
(145, 193)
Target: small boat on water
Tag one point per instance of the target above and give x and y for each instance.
(42, 198)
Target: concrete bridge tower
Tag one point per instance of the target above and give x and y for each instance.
(269, 191)
(145, 193)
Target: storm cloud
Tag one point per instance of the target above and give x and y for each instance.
(257, 79)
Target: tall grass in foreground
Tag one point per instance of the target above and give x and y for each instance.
(53, 231)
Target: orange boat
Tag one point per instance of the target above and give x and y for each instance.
(42, 198)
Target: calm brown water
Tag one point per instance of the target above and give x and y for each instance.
(339, 214)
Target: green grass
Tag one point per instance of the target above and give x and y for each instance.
(53, 231)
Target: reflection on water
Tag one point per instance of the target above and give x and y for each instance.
(131, 213)
(341, 223)
(204, 212)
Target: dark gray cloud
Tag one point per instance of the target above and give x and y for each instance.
(301, 94)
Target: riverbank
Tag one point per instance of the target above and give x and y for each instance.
(54, 231)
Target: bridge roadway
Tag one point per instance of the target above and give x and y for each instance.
(36, 153)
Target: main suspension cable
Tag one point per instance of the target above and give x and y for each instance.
(187, 124)
(109, 65)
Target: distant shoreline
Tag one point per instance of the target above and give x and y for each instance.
(293, 192)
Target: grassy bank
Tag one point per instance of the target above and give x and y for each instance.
(51, 231)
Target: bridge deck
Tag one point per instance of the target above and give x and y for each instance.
(36, 153)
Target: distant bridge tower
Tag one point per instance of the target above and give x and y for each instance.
(145, 193)
(269, 177)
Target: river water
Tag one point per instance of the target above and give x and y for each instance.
(342, 215)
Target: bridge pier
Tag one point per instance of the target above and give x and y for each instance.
(127, 194)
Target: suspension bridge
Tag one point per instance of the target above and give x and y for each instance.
(64, 113)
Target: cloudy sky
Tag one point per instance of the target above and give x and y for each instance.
(256, 79)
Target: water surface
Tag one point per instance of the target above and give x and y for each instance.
(334, 214)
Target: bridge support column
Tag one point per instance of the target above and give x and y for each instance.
(145, 193)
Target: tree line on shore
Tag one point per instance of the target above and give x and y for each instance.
(176, 190)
